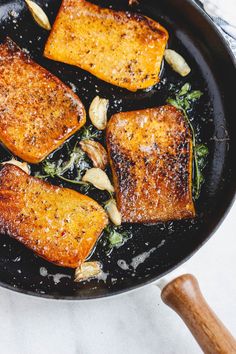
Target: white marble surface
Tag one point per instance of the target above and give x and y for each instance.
(133, 323)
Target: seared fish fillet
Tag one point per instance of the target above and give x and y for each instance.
(150, 152)
(119, 47)
(37, 111)
(57, 223)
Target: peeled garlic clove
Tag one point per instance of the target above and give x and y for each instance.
(113, 212)
(38, 14)
(87, 270)
(133, 2)
(99, 179)
(177, 62)
(95, 152)
(23, 165)
(98, 112)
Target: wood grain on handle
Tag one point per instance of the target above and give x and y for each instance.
(184, 296)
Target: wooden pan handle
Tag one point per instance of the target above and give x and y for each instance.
(184, 296)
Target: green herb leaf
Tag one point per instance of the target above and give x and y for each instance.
(202, 150)
(77, 162)
(174, 103)
(184, 98)
(51, 168)
(75, 157)
(186, 104)
(194, 95)
(116, 237)
(184, 89)
(89, 133)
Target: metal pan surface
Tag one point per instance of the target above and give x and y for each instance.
(152, 250)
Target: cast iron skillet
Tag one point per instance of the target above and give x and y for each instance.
(213, 71)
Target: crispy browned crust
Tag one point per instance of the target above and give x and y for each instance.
(37, 111)
(122, 48)
(150, 152)
(58, 224)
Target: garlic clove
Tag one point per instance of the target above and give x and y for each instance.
(95, 152)
(98, 112)
(99, 179)
(113, 212)
(87, 270)
(177, 62)
(22, 165)
(133, 2)
(38, 14)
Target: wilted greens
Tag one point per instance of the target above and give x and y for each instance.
(116, 236)
(183, 100)
(89, 133)
(76, 162)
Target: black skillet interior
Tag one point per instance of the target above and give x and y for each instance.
(165, 245)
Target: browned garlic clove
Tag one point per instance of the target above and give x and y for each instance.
(133, 2)
(87, 270)
(177, 62)
(38, 14)
(113, 212)
(23, 165)
(99, 179)
(98, 112)
(95, 152)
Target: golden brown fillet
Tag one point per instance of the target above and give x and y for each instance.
(150, 152)
(59, 224)
(37, 111)
(122, 48)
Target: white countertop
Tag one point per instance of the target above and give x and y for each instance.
(133, 323)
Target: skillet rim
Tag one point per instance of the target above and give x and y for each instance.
(197, 6)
